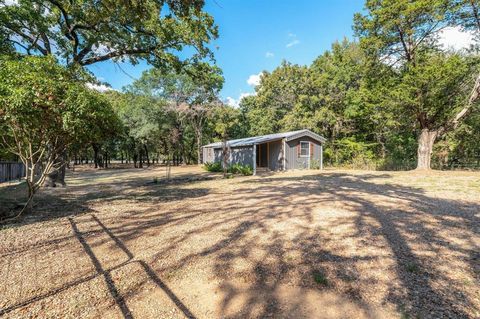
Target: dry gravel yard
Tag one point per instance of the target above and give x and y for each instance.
(331, 244)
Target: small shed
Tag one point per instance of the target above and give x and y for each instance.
(301, 149)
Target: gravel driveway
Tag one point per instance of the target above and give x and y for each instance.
(305, 244)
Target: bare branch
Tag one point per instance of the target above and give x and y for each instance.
(474, 96)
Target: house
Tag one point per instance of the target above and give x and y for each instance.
(301, 149)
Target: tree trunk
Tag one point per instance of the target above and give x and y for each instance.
(146, 155)
(56, 176)
(95, 155)
(425, 148)
(199, 149)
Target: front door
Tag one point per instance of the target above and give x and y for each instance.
(262, 155)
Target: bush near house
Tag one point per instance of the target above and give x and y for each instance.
(213, 167)
(241, 169)
(233, 169)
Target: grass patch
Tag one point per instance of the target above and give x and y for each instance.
(320, 278)
(412, 267)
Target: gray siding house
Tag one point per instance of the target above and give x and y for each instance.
(282, 151)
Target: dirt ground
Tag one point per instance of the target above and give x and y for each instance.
(305, 244)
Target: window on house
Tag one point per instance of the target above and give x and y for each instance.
(304, 149)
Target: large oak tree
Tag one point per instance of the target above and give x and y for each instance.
(401, 32)
(86, 32)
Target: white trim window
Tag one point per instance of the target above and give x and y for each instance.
(304, 149)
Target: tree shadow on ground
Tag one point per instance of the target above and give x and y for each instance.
(397, 216)
(106, 274)
(56, 203)
(401, 227)
(331, 233)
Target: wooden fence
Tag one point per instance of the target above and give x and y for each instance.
(11, 170)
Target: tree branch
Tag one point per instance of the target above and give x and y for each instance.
(70, 30)
(474, 96)
(32, 41)
(475, 14)
(116, 54)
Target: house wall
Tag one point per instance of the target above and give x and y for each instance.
(218, 156)
(208, 155)
(293, 161)
(241, 155)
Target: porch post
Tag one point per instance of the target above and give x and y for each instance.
(268, 155)
(254, 159)
(284, 149)
(321, 156)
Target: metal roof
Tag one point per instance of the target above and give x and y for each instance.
(268, 138)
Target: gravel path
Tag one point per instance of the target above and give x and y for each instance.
(306, 244)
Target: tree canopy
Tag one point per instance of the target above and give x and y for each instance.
(87, 32)
(45, 108)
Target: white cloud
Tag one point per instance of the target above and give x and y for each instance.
(254, 79)
(293, 40)
(291, 44)
(101, 49)
(455, 38)
(269, 54)
(7, 3)
(99, 87)
(242, 95)
(231, 101)
(236, 102)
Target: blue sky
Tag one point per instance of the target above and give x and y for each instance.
(257, 36)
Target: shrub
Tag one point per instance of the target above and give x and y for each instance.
(213, 167)
(246, 170)
(241, 169)
(233, 169)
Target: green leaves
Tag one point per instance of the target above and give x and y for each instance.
(397, 29)
(86, 32)
(46, 104)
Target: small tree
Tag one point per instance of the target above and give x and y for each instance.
(46, 108)
(163, 33)
(190, 94)
(226, 120)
